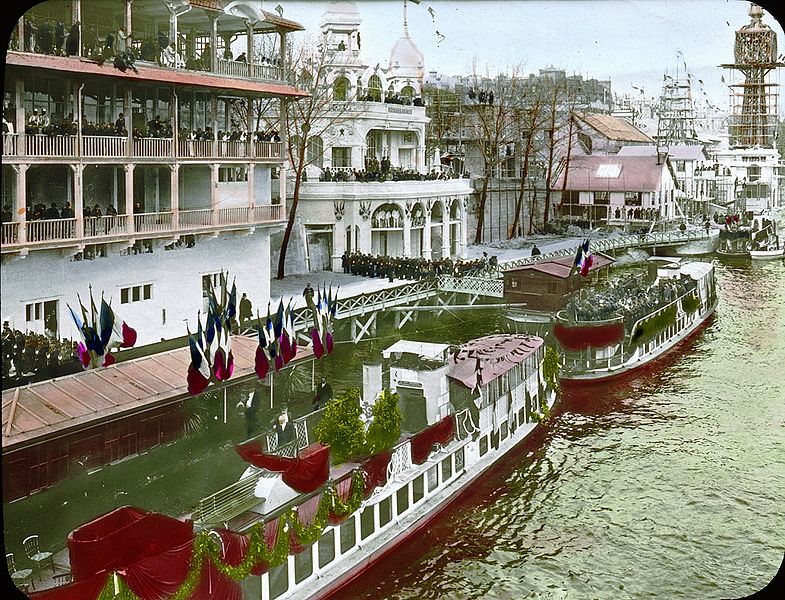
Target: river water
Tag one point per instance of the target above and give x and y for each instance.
(666, 485)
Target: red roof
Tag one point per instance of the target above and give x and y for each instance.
(562, 266)
(497, 354)
(612, 173)
(148, 73)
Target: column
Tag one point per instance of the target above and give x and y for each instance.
(427, 253)
(78, 200)
(283, 55)
(249, 47)
(20, 201)
(129, 196)
(76, 17)
(214, 192)
(339, 244)
(407, 235)
(174, 194)
(446, 232)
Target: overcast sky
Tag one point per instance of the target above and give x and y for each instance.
(631, 42)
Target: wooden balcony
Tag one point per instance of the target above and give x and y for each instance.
(95, 147)
(61, 233)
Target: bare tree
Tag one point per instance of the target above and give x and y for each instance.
(492, 117)
(306, 120)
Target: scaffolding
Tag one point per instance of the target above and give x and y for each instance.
(754, 98)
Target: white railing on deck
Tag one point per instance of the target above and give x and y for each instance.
(51, 145)
(10, 144)
(151, 222)
(51, 229)
(153, 147)
(202, 217)
(268, 149)
(100, 226)
(10, 233)
(104, 145)
(234, 68)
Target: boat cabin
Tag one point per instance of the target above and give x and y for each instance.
(546, 285)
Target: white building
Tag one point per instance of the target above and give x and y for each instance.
(377, 114)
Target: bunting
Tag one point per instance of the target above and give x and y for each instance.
(102, 332)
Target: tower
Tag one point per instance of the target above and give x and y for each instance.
(753, 101)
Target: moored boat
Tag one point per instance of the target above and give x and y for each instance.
(296, 525)
(630, 323)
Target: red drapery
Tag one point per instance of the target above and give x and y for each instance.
(121, 537)
(441, 432)
(582, 337)
(304, 474)
(375, 468)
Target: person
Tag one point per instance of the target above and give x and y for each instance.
(246, 310)
(535, 250)
(324, 393)
(283, 429)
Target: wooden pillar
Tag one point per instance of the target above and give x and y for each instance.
(214, 199)
(174, 194)
(129, 196)
(20, 200)
(78, 199)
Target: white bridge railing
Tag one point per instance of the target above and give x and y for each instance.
(482, 286)
(616, 243)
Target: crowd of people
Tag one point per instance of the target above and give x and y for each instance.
(29, 357)
(399, 267)
(630, 296)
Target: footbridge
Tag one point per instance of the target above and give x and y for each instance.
(362, 311)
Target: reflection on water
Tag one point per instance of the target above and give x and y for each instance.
(666, 484)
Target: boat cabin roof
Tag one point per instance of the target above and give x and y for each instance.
(494, 355)
(424, 350)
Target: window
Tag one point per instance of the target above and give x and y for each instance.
(136, 293)
(375, 88)
(341, 89)
(348, 537)
(342, 157)
(602, 197)
(314, 151)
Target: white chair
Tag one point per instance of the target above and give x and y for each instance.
(40, 559)
(22, 576)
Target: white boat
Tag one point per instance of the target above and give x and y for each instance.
(631, 323)
(438, 392)
(768, 254)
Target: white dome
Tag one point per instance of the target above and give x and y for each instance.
(406, 60)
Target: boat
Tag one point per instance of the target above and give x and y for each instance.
(634, 320)
(301, 526)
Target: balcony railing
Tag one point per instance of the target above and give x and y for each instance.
(94, 229)
(104, 145)
(51, 230)
(100, 146)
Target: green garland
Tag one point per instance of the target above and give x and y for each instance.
(691, 303)
(650, 328)
(205, 547)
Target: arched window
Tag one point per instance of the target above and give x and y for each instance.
(341, 89)
(407, 92)
(314, 151)
(375, 88)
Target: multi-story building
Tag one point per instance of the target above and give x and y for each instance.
(377, 117)
(141, 180)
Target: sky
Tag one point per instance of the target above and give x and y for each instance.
(630, 42)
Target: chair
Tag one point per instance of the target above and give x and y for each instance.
(40, 559)
(22, 576)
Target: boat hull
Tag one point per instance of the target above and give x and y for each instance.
(767, 254)
(633, 366)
